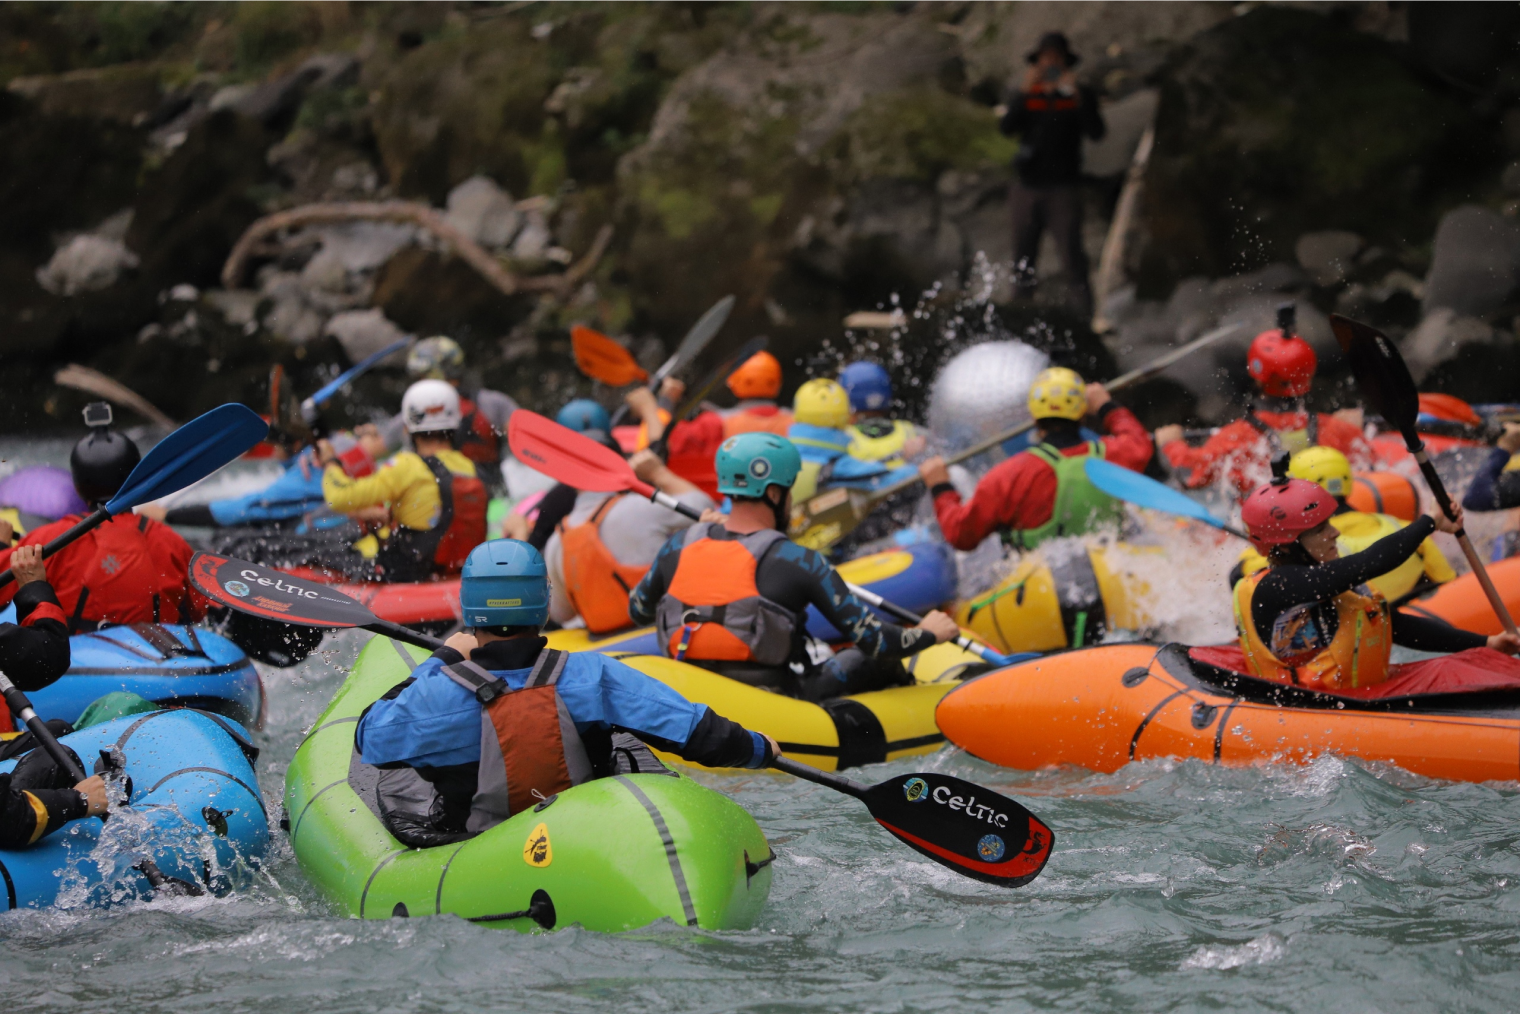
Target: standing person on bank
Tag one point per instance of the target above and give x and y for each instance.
(1050, 114)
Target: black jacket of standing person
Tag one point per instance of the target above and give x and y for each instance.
(1051, 114)
(37, 796)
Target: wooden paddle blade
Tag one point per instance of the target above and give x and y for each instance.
(963, 826)
(572, 458)
(274, 595)
(1380, 371)
(602, 359)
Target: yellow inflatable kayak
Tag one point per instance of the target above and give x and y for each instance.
(1065, 596)
(860, 729)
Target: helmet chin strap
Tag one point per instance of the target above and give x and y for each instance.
(778, 508)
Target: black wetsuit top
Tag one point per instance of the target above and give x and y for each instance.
(1288, 585)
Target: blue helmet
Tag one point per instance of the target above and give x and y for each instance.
(504, 584)
(749, 462)
(868, 384)
(582, 415)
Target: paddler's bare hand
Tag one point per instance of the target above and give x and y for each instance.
(7, 534)
(714, 515)
(933, 472)
(646, 465)
(1167, 434)
(1444, 524)
(775, 747)
(325, 453)
(157, 512)
(93, 790)
(462, 642)
(642, 401)
(941, 626)
(516, 526)
(1504, 642)
(671, 390)
(1510, 439)
(1353, 416)
(26, 565)
(1097, 398)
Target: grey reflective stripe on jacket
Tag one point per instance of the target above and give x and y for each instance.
(491, 804)
(766, 627)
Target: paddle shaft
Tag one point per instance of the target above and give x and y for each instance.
(85, 524)
(811, 774)
(695, 341)
(976, 649)
(1152, 368)
(17, 702)
(327, 391)
(400, 633)
(1433, 480)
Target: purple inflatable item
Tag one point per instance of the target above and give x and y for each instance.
(44, 490)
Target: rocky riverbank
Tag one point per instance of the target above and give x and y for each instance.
(626, 165)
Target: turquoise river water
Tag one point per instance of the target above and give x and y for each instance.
(1174, 886)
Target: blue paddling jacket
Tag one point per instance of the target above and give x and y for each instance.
(433, 724)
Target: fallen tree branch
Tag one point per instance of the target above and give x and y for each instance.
(561, 285)
(412, 212)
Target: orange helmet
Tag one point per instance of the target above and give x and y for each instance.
(757, 377)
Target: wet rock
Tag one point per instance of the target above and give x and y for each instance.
(1125, 120)
(1476, 264)
(84, 264)
(1439, 336)
(427, 292)
(363, 332)
(1282, 122)
(1328, 256)
(483, 212)
(123, 93)
(535, 237)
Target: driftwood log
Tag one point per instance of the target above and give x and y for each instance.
(424, 217)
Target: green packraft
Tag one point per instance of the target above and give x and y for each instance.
(1080, 507)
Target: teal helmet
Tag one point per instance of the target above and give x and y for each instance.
(749, 462)
(583, 415)
(504, 584)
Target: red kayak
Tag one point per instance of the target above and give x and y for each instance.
(410, 603)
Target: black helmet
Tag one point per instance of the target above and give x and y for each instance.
(103, 460)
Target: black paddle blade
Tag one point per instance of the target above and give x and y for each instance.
(1380, 371)
(265, 592)
(966, 827)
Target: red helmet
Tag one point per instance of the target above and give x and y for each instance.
(1283, 510)
(1282, 365)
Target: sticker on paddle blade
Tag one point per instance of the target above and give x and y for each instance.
(980, 833)
(266, 592)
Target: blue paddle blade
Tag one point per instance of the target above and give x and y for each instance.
(1128, 485)
(330, 389)
(190, 454)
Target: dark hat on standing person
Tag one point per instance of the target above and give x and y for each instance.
(1056, 41)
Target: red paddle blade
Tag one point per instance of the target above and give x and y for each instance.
(602, 359)
(966, 827)
(573, 459)
(265, 592)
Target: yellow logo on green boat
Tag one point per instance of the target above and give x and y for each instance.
(536, 851)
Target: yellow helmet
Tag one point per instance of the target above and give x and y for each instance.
(822, 402)
(1325, 466)
(1057, 392)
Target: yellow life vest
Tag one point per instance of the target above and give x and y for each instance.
(877, 440)
(1513, 464)
(1356, 657)
(1359, 530)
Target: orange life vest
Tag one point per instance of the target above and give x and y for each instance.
(1356, 657)
(758, 419)
(713, 609)
(598, 586)
(529, 746)
(477, 438)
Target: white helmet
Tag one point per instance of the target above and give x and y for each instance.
(430, 406)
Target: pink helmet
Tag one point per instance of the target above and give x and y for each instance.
(1283, 510)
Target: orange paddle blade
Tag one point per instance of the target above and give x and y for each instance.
(573, 459)
(1449, 407)
(602, 359)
